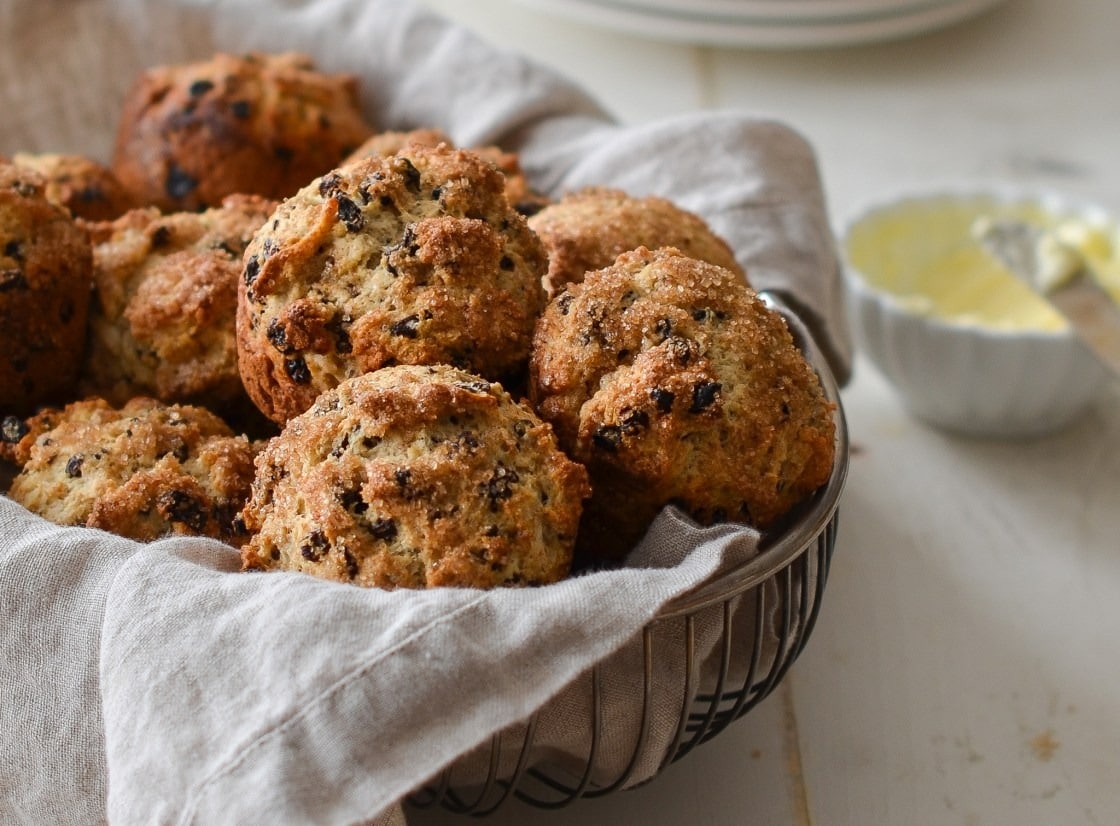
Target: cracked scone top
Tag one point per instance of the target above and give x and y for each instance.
(162, 322)
(416, 477)
(45, 263)
(521, 195)
(417, 258)
(141, 471)
(263, 124)
(674, 384)
(589, 228)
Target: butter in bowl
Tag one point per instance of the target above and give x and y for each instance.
(969, 343)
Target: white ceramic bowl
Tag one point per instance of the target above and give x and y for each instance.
(956, 373)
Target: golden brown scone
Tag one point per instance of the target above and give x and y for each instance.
(387, 144)
(142, 471)
(521, 196)
(416, 477)
(413, 259)
(163, 322)
(45, 263)
(588, 229)
(13, 429)
(87, 188)
(672, 381)
(18, 435)
(263, 124)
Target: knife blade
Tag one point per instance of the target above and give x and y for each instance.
(1092, 313)
(1061, 276)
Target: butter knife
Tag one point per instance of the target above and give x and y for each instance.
(1061, 276)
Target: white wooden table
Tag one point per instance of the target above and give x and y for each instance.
(966, 665)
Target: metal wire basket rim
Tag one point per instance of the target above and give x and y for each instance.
(778, 551)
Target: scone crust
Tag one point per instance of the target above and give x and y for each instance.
(45, 263)
(87, 188)
(674, 383)
(262, 124)
(417, 258)
(142, 471)
(416, 477)
(389, 143)
(589, 228)
(519, 193)
(163, 323)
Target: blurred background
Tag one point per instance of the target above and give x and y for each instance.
(1023, 90)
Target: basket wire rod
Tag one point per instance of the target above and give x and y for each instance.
(786, 650)
(455, 800)
(514, 779)
(744, 696)
(782, 660)
(808, 614)
(571, 793)
(805, 604)
(644, 722)
(689, 686)
(716, 696)
(445, 785)
(450, 800)
(818, 593)
(829, 536)
(423, 798)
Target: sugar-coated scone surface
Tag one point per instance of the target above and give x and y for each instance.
(262, 124)
(142, 471)
(674, 383)
(45, 262)
(163, 320)
(521, 195)
(416, 477)
(589, 228)
(386, 144)
(417, 258)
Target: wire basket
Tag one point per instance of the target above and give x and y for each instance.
(707, 659)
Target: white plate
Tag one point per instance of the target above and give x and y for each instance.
(784, 11)
(689, 27)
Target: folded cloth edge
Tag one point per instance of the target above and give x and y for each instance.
(338, 712)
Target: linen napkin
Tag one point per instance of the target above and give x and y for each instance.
(157, 684)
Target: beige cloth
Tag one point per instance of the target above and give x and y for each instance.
(156, 684)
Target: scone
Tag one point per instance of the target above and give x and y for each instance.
(45, 263)
(142, 471)
(674, 384)
(417, 258)
(163, 320)
(87, 188)
(386, 144)
(588, 229)
(259, 124)
(521, 196)
(416, 477)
